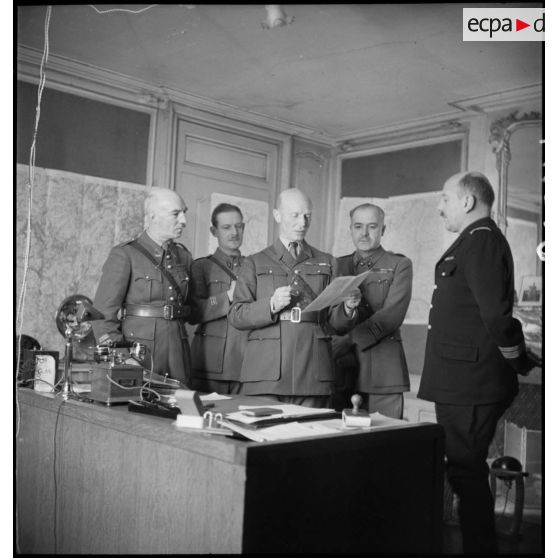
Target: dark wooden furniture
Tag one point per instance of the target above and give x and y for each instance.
(92, 479)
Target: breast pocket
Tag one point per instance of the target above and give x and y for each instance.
(270, 277)
(148, 287)
(216, 287)
(447, 268)
(317, 276)
(376, 287)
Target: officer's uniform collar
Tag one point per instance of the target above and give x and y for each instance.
(151, 245)
(361, 263)
(281, 247)
(482, 222)
(234, 261)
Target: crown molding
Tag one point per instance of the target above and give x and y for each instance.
(85, 79)
(500, 100)
(428, 128)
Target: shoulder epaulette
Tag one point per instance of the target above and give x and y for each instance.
(127, 241)
(396, 254)
(480, 229)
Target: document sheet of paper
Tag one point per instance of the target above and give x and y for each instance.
(286, 431)
(214, 397)
(293, 430)
(335, 292)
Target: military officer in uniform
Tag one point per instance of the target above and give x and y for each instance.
(288, 353)
(474, 350)
(217, 347)
(144, 291)
(370, 359)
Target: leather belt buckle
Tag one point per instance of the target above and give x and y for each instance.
(296, 313)
(168, 312)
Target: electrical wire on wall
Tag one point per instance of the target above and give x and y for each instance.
(30, 187)
(127, 10)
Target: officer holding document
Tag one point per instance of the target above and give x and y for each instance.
(370, 360)
(288, 354)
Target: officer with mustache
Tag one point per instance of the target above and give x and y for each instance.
(218, 347)
(370, 359)
(145, 292)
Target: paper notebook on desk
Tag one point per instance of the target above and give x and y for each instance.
(289, 413)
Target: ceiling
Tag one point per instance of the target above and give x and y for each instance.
(338, 69)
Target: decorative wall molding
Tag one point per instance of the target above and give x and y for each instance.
(395, 135)
(500, 100)
(311, 155)
(85, 79)
(501, 131)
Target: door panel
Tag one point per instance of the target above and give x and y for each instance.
(214, 164)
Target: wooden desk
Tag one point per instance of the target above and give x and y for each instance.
(92, 479)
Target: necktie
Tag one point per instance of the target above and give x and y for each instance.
(293, 249)
(167, 249)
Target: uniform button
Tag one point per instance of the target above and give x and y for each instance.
(169, 266)
(168, 256)
(297, 271)
(361, 263)
(296, 282)
(443, 273)
(432, 306)
(171, 298)
(429, 326)
(170, 287)
(435, 286)
(147, 276)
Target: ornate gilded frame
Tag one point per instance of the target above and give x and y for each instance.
(501, 131)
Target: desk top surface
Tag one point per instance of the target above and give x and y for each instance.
(162, 430)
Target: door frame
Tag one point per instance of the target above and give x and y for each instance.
(166, 145)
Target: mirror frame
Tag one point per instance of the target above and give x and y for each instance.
(501, 131)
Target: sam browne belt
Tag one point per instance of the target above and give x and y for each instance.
(296, 316)
(167, 312)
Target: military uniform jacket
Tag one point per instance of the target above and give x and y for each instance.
(281, 357)
(130, 278)
(471, 326)
(217, 347)
(386, 294)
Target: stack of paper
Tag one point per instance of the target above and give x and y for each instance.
(289, 413)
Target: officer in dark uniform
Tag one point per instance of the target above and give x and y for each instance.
(370, 359)
(218, 347)
(288, 354)
(474, 349)
(144, 291)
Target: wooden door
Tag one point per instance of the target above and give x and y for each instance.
(214, 164)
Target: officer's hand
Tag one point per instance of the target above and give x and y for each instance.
(231, 290)
(352, 301)
(525, 363)
(281, 298)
